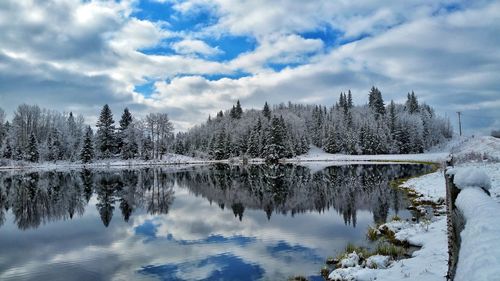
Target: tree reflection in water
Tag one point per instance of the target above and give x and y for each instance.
(38, 198)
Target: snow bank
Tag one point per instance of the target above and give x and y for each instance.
(317, 154)
(432, 187)
(477, 148)
(466, 177)
(479, 256)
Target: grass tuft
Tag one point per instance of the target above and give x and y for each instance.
(372, 233)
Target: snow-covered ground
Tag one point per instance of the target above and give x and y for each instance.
(169, 159)
(317, 154)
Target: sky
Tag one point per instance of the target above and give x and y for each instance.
(193, 58)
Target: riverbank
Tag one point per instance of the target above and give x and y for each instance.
(430, 261)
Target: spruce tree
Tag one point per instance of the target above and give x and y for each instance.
(32, 154)
(221, 146)
(146, 149)
(275, 147)
(130, 147)
(266, 111)
(7, 149)
(87, 152)
(375, 101)
(106, 133)
(349, 100)
(411, 104)
(125, 121)
(238, 110)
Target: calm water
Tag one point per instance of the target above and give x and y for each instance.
(198, 223)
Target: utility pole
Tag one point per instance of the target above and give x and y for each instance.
(459, 122)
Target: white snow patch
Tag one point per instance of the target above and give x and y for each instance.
(378, 261)
(470, 177)
(351, 260)
(479, 257)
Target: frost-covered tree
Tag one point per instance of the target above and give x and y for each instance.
(275, 145)
(125, 121)
(375, 101)
(87, 152)
(411, 104)
(105, 136)
(266, 111)
(32, 153)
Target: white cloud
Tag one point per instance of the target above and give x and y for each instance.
(191, 46)
(66, 54)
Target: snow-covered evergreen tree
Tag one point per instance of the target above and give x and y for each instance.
(32, 153)
(87, 152)
(106, 141)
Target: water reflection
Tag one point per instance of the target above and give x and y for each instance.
(196, 223)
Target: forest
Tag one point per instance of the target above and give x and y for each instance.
(273, 133)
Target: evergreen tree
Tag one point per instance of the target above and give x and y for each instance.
(238, 110)
(392, 117)
(7, 149)
(331, 144)
(221, 146)
(275, 148)
(32, 153)
(266, 111)
(87, 152)
(232, 113)
(54, 146)
(106, 133)
(349, 100)
(147, 148)
(125, 121)
(254, 149)
(130, 147)
(375, 101)
(411, 104)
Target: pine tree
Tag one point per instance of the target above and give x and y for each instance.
(147, 148)
(32, 154)
(221, 146)
(54, 145)
(125, 121)
(266, 111)
(232, 113)
(238, 110)
(411, 104)
(375, 101)
(7, 149)
(392, 117)
(87, 152)
(106, 133)
(254, 149)
(130, 147)
(331, 145)
(349, 100)
(275, 148)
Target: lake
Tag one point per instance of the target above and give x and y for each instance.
(214, 222)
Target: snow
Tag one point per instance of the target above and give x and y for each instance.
(378, 261)
(467, 148)
(351, 260)
(432, 187)
(479, 257)
(430, 262)
(168, 159)
(466, 177)
(317, 154)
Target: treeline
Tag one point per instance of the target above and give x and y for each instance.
(282, 131)
(36, 134)
(288, 130)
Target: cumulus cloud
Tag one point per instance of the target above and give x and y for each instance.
(190, 46)
(79, 55)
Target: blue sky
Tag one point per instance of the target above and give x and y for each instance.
(192, 58)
